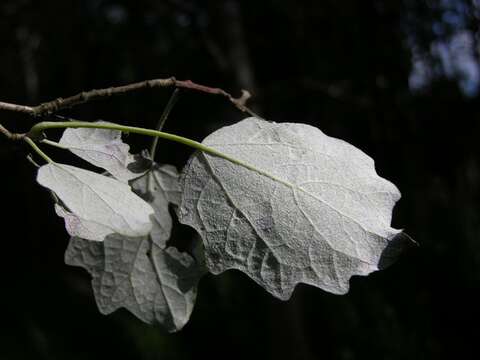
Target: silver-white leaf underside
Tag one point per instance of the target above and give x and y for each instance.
(157, 285)
(159, 187)
(314, 211)
(103, 148)
(96, 205)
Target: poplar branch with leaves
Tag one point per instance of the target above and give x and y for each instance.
(282, 202)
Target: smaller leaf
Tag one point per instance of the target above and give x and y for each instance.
(85, 229)
(159, 187)
(97, 205)
(103, 148)
(89, 255)
(156, 285)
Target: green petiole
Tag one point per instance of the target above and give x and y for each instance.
(37, 130)
(37, 149)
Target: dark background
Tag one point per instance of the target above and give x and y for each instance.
(398, 79)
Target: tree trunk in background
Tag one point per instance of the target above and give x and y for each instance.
(238, 49)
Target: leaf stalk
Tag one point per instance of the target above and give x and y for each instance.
(39, 128)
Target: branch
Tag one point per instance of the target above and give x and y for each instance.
(28, 140)
(95, 94)
(16, 108)
(10, 135)
(238, 102)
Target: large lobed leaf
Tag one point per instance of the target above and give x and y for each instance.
(157, 285)
(304, 208)
(155, 282)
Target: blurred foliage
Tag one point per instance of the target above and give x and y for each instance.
(346, 67)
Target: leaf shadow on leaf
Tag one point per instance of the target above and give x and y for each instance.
(187, 280)
(141, 163)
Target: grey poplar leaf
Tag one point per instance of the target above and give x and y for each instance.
(86, 229)
(158, 284)
(159, 187)
(307, 208)
(97, 205)
(103, 148)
